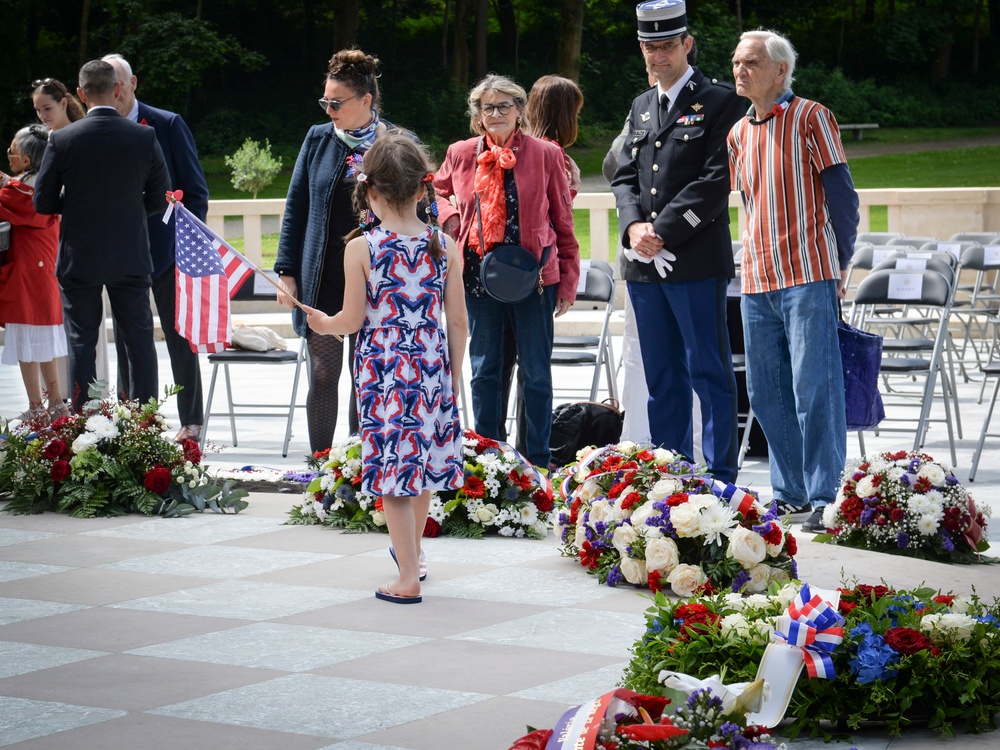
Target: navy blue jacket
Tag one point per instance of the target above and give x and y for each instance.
(181, 156)
(675, 174)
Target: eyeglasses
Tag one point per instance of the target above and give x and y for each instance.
(334, 104)
(42, 82)
(491, 109)
(11, 152)
(664, 48)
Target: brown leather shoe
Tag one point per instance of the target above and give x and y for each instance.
(188, 432)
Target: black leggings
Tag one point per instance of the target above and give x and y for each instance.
(326, 360)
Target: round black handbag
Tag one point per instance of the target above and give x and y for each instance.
(509, 273)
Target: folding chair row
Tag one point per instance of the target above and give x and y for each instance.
(930, 291)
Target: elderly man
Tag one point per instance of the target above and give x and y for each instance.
(672, 191)
(179, 151)
(105, 175)
(802, 218)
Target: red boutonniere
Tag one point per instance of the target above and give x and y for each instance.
(777, 109)
(143, 121)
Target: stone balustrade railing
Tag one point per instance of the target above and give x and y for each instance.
(917, 211)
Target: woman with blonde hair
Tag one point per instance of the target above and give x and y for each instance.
(524, 199)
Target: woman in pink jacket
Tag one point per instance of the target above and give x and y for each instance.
(525, 200)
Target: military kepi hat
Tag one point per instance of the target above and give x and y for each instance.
(661, 19)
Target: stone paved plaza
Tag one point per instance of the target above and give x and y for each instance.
(239, 632)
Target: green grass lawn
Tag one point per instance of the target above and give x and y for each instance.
(960, 167)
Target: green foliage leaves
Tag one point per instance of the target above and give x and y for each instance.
(170, 54)
(253, 166)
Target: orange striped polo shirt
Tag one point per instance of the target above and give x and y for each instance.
(776, 165)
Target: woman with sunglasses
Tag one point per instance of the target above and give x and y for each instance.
(524, 200)
(30, 309)
(55, 107)
(318, 213)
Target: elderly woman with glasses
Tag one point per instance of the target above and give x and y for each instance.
(318, 213)
(30, 308)
(524, 199)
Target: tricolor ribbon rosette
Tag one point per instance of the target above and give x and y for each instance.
(814, 626)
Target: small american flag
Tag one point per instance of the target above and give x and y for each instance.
(209, 273)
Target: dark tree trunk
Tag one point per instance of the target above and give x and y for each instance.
(480, 38)
(570, 36)
(976, 27)
(345, 24)
(941, 61)
(509, 30)
(458, 69)
(84, 25)
(869, 12)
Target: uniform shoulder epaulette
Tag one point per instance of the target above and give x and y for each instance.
(723, 84)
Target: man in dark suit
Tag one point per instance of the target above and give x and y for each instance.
(672, 191)
(105, 175)
(186, 174)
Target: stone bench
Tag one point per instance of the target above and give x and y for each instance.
(859, 129)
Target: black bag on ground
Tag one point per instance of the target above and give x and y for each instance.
(577, 425)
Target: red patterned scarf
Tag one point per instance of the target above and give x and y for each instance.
(490, 165)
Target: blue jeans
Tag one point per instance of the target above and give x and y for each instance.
(532, 322)
(796, 385)
(684, 343)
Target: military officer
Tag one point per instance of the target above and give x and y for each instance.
(672, 191)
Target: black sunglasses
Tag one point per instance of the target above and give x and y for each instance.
(42, 82)
(334, 104)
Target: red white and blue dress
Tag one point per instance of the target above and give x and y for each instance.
(410, 434)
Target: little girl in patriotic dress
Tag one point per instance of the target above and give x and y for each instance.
(408, 361)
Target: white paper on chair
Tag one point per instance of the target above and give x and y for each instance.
(955, 248)
(881, 253)
(911, 263)
(991, 256)
(905, 286)
(581, 284)
(263, 286)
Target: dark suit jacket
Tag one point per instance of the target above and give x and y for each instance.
(181, 156)
(686, 195)
(105, 175)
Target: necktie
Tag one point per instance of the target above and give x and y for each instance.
(664, 109)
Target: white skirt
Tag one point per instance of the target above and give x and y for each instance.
(27, 343)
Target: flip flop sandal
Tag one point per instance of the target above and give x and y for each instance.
(423, 563)
(386, 595)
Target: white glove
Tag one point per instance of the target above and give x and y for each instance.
(661, 260)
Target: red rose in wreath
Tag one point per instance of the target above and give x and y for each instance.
(157, 480)
(192, 452)
(60, 470)
(55, 449)
(906, 640)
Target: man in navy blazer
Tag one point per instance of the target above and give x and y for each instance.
(105, 175)
(186, 174)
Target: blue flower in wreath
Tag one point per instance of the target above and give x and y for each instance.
(989, 620)
(872, 656)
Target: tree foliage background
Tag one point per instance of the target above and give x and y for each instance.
(254, 68)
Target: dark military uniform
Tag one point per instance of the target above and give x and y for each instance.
(674, 174)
